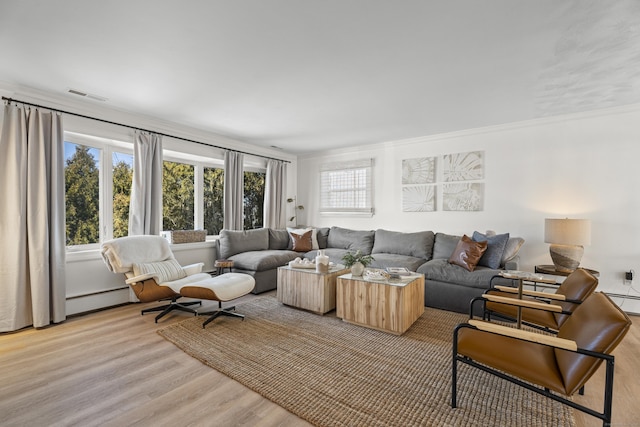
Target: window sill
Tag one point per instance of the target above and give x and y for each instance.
(77, 255)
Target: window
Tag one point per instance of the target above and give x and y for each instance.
(213, 200)
(253, 199)
(82, 193)
(98, 181)
(178, 197)
(346, 187)
(98, 174)
(122, 164)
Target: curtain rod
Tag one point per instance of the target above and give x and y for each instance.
(140, 129)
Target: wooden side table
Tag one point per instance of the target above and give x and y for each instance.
(221, 264)
(550, 269)
(391, 306)
(308, 289)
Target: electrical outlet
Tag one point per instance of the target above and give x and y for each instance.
(628, 276)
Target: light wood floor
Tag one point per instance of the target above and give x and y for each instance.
(110, 368)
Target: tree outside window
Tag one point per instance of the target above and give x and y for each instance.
(213, 200)
(177, 196)
(253, 199)
(82, 194)
(122, 179)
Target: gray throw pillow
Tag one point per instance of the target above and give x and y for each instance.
(492, 257)
(511, 249)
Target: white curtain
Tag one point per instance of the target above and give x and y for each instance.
(145, 208)
(274, 198)
(233, 190)
(32, 218)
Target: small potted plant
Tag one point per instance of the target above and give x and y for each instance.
(356, 262)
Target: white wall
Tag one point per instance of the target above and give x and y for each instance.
(579, 166)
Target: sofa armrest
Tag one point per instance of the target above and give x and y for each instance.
(549, 340)
(193, 268)
(513, 263)
(523, 303)
(536, 294)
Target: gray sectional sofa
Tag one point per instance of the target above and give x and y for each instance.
(447, 286)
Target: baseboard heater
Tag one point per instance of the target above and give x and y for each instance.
(624, 297)
(89, 294)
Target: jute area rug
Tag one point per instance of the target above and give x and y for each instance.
(332, 373)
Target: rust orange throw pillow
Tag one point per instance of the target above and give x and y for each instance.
(467, 253)
(302, 242)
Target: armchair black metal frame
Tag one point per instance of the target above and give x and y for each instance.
(605, 416)
(554, 366)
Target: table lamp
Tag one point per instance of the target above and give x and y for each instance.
(567, 237)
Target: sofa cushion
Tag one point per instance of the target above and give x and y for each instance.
(381, 260)
(262, 260)
(444, 245)
(163, 271)
(492, 257)
(440, 270)
(353, 240)
(467, 253)
(235, 241)
(278, 239)
(417, 245)
(323, 236)
(301, 231)
(302, 242)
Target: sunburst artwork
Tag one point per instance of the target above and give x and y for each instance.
(463, 197)
(419, 198)
(463, 166)
(419, 171)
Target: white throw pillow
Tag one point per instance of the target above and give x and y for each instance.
(164, 271)
(511, 249)
(301, 231)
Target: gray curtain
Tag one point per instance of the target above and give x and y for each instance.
(145, 208)
(233, 190)
(274, 198)
(32, 219)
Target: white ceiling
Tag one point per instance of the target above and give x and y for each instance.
(308, 75)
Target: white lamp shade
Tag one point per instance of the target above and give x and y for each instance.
(565, 231)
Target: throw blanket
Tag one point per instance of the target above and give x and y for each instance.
(121, 254)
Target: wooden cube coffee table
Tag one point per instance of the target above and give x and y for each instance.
(391, 306)
(304, 288)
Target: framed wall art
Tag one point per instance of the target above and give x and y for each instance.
(465, 197)
(419, 198)
(467, 166)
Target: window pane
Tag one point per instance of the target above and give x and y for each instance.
(253, 199)
(213, 199)
(346, 187)
(82, 193)
(177, 196)
(122, 177)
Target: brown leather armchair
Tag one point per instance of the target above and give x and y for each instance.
(575, 289)
(553, 366)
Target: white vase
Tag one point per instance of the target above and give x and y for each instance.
(357, 269)
(322, 262)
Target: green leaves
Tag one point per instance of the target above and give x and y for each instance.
(351, 258)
